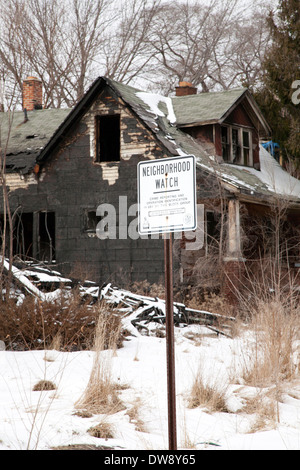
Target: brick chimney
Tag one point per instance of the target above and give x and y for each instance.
(185, 89)
(32, 94)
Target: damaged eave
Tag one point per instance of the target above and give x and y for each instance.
(155, 124)
(253, 197)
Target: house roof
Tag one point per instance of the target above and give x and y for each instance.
(27, 137)
(214, 107)
(205, 107)
(164, 117)
(162, 114)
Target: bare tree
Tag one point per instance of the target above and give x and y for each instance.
(57, 41)
(215, 44)
(190, 39)
(68, 43)
(7, 228)
(127, 51)
(86, 31)
(250, 39)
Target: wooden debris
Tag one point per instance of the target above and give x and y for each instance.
(138, 312)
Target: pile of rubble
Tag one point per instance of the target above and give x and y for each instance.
(139, 312)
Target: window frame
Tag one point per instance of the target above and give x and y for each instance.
(237, 153)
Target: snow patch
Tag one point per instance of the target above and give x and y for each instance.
(153, 100)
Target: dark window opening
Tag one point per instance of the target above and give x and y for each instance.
(212, 231)
(225, 144)
(33, 235)
(235, 146)
(46, 236)
(90, 221)
(23, 235)
(246, 148)
(108, 138)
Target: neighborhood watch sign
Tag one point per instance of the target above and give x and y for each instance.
(167, 195)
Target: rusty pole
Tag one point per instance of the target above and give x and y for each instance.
(170, 341)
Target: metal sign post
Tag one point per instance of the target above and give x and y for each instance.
(170, 342)
(167, 204)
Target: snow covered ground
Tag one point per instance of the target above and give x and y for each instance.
(45, 420)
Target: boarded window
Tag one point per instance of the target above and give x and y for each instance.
(108, 138)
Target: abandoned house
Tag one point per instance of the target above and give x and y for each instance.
(62, 164)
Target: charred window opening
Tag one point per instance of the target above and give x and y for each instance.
(33, 235)
(108, 138)
(90, 221)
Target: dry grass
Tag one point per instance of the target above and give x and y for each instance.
(270, 304)
(134, 416)
(276, 331)
(44, 385)
(68, 323)
(207, 395)
(102, 430)
(263, 407)
(101, 394)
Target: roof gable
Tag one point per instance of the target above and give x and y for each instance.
(205, 107)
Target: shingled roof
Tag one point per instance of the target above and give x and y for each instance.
(28, 135)
(167, 116)
(33, 141)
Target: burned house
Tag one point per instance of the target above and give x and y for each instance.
(62, 165)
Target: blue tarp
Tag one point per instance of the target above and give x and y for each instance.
(271, 147)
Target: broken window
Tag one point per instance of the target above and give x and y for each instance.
(246, 148)
(108, 138)
(236, 145)
(225, 144)
(90, 221)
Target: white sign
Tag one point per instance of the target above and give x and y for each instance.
(167, 195)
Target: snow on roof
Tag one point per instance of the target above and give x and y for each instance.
(271, 175)
(153, 100)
